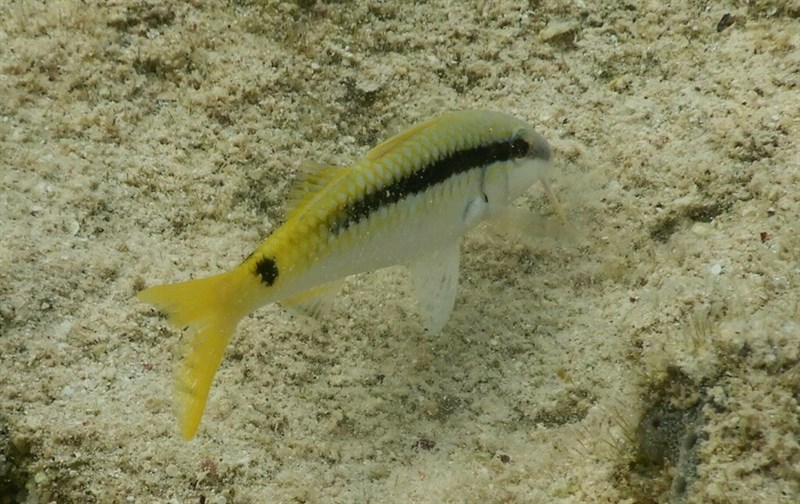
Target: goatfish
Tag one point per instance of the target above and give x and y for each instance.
(408, 201)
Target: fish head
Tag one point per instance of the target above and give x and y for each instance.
(506, 181)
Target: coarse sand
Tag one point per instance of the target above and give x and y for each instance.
(647, 351)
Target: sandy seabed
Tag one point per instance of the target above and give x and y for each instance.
(649, 351)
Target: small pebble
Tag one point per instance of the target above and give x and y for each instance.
(701, 229)
(726, 21)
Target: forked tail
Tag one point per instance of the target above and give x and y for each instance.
(209, 309)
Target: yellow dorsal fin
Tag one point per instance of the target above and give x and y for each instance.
(382, 148)
(308, 168)
(311, 181)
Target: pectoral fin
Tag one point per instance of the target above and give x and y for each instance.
(476, 210)
(435, 279)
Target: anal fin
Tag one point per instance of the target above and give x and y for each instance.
(435, 279)
(315, 302)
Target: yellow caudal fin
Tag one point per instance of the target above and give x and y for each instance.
(209, 309)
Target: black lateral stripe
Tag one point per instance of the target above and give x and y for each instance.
(428, 176)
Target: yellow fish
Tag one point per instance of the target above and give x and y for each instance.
(408, 201)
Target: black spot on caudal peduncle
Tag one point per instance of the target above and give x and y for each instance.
(267, 270)
(428, 176)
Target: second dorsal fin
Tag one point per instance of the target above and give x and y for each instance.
(311, 181)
